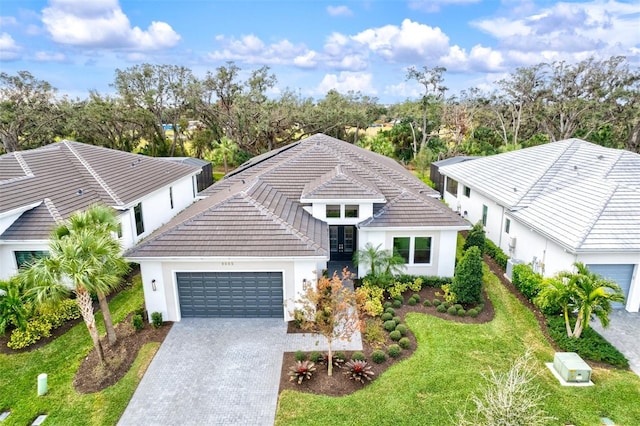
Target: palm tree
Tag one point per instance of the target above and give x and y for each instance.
(80, 261)
(583, 292)
(98, 219)
(225, 148)
(382, 264)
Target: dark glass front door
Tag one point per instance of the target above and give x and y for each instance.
(342, 242)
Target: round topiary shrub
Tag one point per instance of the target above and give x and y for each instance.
(339, 355)
(472, 313)
(391, 311)
(452, 310)
(395, 335)
(436, 302)
(402, 329)
(386, 305)
(397, 320)
(300, 356)
(412, 302)
(389, 325)
(404, 343)
(457, 306)
(441, 308)
(358, 356)
(397, 303)
(427, 303)
(386, 316)
(399, 297)
(416, 296)
(461, 312)
(394, 351)
(316, 357)
(378, 356)
(480, 307)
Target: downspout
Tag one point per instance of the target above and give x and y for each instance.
(501, 229)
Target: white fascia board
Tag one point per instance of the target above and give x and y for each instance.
(416, 228)
(9, 242)
(21, 209)
(342, 200)
(222, 258)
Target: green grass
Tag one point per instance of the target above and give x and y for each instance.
(60, 360)
(437, 381)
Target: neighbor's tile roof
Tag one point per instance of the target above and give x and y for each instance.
(71, 176)
(256, 211)
(584, 196)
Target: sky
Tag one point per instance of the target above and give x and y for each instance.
(312, 46)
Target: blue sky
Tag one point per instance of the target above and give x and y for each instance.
(312, 46)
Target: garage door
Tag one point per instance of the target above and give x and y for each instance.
(230, 294)
(622, 274)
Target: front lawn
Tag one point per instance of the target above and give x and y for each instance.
(436, 382)
(60, 360)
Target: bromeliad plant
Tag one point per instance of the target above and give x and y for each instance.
(301, 371)
(358, 370)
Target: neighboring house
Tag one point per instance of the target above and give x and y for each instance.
(434, 171)
(272, 225)
(41, 187)
(556, 204)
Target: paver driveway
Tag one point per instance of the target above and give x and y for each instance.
(218, 372)
(623, 332)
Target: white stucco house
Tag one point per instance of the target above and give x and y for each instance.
(556, 204)
(248, 247)
(41, 187)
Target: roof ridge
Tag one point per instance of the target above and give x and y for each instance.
(386, 207)
(605, 175)
(53, 211)
(277, 219)
(23, 164)
(92, 172)
(597, 215)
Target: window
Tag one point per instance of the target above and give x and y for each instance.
(422, 250)
(333, 211)
(24, 258)
(485, 210)
(333, 238)
(171, 196)
(507, 225)
(137, 212)
(350, 211)
(401, 247)
(452, 186)
(467, 191)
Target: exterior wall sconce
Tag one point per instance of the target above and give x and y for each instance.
(153, 284)
(304, 281)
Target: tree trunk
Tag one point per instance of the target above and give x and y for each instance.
(108, 322)
(10, 143)
(566, 322)
(83, 299)
(329, 359)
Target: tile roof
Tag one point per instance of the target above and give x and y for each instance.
(72, 176)
(584, 196)
(257, 210)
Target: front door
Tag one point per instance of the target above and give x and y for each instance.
(342, 241)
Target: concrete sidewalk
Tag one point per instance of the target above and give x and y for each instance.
(219, 372)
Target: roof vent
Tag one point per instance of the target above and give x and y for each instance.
(575, 167)
(515, 189)
(133, 164)
(79, 191)
(600, 157)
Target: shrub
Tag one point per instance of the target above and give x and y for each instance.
(467, 282)
(452, 310)
(358, 370)
(404, 343)
(370, 298)
(461, 312)
(373, 332)
(156, 319)
(298, 318)
(389, 325)
(386, 305)
(528, 282)
(457, 306)
(496, 253)
(137, 322)
(436, 302)
(394, 350)
(398, 297)
(395, 335)
(435, 281)
(416, 296)
(300, 356)
(41, 325)
(416, 284)
(396, 290)
(412, 301)
(339, 356)
(479, 307)
(358, 356)
(316, 357)
(473, 313)
(402, 329)
(448, 294)
(427, 303)
(475, 237)
(441, 308)
(397, 303)
(301, 371)
(386, 316)
(378, 356)
(397, 320)
(391, 311)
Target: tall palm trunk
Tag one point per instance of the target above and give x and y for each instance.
(83, 299)
(108, 322)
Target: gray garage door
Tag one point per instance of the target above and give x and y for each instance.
(230, 294)
(622, 274)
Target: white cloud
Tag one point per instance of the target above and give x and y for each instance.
(9, 49)
(410, 42)
(251, 49)
(102, 23)
(42, 56)
(404, 89)
(307, 60)
(435, 5)
(347, 81)
(339, 11)
(7, 21)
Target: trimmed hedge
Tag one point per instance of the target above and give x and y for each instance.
(427, 281)
(495, 252)
(528, 282)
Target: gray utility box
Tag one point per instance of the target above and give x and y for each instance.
(571, 367)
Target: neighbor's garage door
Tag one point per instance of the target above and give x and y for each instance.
(622, 274)
(230, 294)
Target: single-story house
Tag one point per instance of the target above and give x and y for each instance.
(41, 187)
(556, 204)
(434, 170)
(248, 247)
